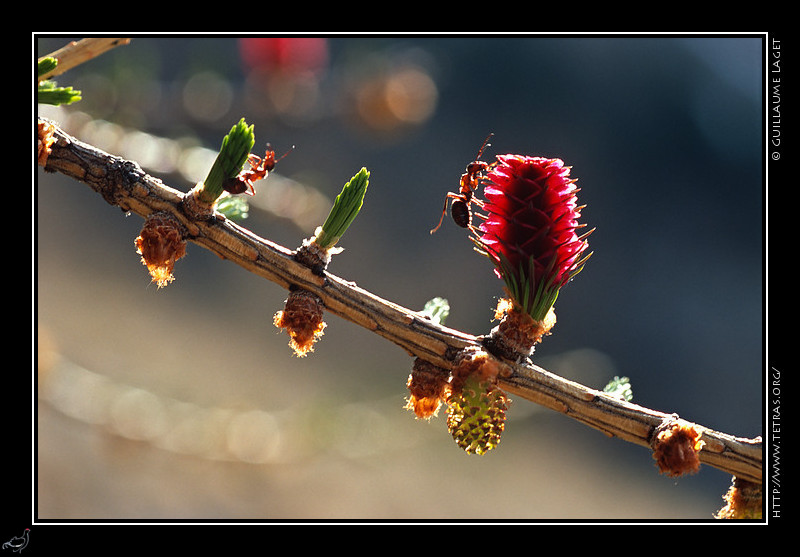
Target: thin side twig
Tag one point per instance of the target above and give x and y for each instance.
(124, 184)
(78, 52)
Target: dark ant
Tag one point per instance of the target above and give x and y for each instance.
(259, 168)
(470, 180)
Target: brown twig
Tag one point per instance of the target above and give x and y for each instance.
(78, 52)
(123, 183)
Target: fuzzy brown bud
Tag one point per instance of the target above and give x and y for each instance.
(161, 244)
(302, 319)
(44, 141)
(428, 385)
(744, 500)
(676, 445)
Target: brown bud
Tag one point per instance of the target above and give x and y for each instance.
(302, 319)
(742, 501)
(161, 244)
(676, 445)
(428, 386)
(44, 141)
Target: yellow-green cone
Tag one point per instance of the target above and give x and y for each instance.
(476, 416)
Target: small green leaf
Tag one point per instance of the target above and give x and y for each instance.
(345, 209)
(619, 387)
(233, 207)
(437, 310)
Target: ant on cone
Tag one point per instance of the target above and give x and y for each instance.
(470, 180)
(259, 168)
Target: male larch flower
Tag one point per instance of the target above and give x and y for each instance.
(302, 318)
(161, 244)
(530, 233)
(676, 447)
(428, 386)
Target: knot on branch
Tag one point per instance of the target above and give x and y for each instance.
(195, 205)
(314, 256)
(517, 334)
(121, 173)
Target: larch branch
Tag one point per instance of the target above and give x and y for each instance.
(124, 184)
(78, 52)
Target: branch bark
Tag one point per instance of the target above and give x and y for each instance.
(124, 184)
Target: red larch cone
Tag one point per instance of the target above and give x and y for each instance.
(530, 233)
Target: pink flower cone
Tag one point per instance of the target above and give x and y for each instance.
(531, 228)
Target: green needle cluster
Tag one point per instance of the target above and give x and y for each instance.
(345, 209)
(236, 146)
(47, 92)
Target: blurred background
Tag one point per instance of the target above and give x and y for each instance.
(186, 402)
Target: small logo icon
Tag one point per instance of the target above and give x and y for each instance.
(18, 543)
